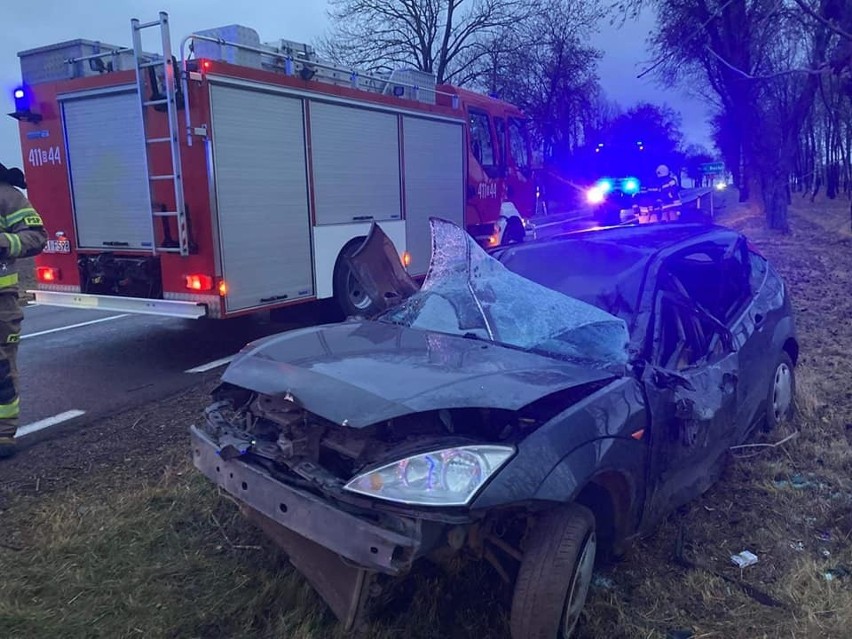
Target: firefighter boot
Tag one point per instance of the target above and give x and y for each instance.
(10, 334)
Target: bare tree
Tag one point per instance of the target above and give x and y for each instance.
(545, 67)
(449, 38)
(764, 59)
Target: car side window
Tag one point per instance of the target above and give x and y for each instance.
(757, 271)
(481, 142)
(715, 276)
(686, 337)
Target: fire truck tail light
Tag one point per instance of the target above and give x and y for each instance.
(223, 288)
(406, 259)
(205, 65)
(48, 274)
(199, 282)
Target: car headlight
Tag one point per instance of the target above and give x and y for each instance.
(447, 477)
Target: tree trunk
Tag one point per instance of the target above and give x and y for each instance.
(774, 191)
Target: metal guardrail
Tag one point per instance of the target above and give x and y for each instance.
(578, 216)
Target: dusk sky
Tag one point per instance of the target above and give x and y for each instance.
(46, 22)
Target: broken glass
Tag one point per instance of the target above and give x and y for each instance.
(468, 292)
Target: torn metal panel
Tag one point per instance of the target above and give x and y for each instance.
(345, 588)
(379, 270)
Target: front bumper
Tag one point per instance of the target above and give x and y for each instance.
(340, 554)
(354, 538)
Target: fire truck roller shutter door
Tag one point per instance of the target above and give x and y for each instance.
(355, 154)
(262, 197)
(107, 167)
(434, 182)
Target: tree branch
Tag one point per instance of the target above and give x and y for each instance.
(825, 22)
(771, 76)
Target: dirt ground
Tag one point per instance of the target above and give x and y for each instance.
(109, 532)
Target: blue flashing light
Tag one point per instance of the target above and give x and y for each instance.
(23, 111)
(631, 185)
(605, 186)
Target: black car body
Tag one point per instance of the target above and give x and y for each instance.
(612, 198)
(531, 408)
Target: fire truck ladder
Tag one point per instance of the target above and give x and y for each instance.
(143, 65)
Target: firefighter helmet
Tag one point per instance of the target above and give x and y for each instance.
(662, 171)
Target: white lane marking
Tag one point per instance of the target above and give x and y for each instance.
(209, 367)
(81, 324)
(48, 422)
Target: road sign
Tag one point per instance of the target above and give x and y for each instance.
(712, 167)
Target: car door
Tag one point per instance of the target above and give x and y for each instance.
(752, 326)
(691, 390)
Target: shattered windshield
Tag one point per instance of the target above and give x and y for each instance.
(468, 292)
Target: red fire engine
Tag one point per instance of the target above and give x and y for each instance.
(236, 178)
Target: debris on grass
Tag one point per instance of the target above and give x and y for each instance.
(838, 572)
(744, 559)
(602, 582)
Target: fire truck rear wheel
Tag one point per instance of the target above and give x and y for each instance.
(350, 296)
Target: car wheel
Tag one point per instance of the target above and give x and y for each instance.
(555, 575)
(781, 400)
(350, 295)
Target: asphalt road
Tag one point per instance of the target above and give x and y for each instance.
(79, 365)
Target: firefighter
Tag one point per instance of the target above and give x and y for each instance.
(22, 234)
(669, 192)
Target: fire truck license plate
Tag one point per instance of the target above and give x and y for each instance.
(58, 246)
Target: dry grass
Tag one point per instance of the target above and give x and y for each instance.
(172, 558)
(117, 548)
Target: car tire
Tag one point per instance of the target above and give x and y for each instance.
(781, 396)
(555, 574)
(351, 299)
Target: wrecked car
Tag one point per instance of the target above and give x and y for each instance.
(534, 408)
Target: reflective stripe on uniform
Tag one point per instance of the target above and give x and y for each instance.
(8, 280)
(9, 411)
(14, 244)
(18, 216)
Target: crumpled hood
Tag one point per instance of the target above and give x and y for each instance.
(360, 373)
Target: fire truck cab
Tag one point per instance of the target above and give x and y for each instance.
(239, 177)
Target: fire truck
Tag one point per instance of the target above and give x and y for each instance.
(238, 175)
